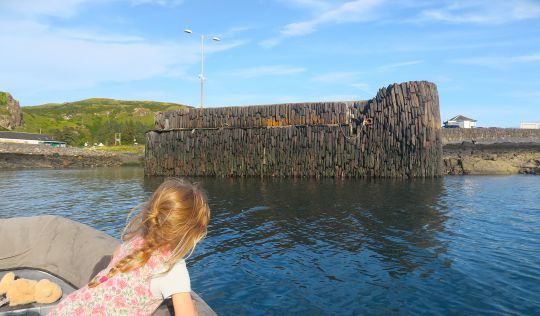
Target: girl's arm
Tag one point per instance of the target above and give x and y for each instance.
(183, 304)
(116, 251)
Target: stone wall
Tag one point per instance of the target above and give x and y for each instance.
(17, 156)
(396, 134)
(489, 135)
(492, 159)
(260, 115)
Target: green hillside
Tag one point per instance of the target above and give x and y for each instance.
(94, 120)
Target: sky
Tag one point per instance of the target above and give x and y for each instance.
(484, 56)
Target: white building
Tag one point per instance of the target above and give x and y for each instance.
(29, 138)
(530, 125)
(460, 121)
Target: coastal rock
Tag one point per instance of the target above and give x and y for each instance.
(16, 156)
(531, 167)
(492, 159)
(481, 166)
(11, 115)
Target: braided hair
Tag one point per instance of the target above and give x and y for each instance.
(174, 219)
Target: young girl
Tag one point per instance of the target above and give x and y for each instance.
(149, 266)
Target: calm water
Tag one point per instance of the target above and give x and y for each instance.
(458, 245)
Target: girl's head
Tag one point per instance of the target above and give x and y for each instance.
(174, 220)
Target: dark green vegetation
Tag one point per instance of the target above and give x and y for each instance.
(3, 98)
(94, 120)
(3, 103)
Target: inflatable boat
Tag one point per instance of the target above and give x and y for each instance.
(61, 250)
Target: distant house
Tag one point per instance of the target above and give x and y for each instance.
(530, 125)
(29, 138)
(460, 121)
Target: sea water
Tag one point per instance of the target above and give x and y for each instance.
(449, 246)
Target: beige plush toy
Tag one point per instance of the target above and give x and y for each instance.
(21, 291)
(24, 291)
(6, 282)
(47, 292)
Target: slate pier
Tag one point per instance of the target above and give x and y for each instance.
(397, 134)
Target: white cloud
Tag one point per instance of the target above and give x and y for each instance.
(252, 99)
(163, 3)
(270, 42)
(360, 85)
(364, 87)
(527, 58)
(483, 12)
(235, 30)
(59, 8)
(345, 78)
(336, 97)
(299, 28)
(522, 94)
(497, 62)
(338, 76)
(262, 98)
(94, 37)
(41, 58)
(445, 11)
(262, 71)
(389, 67)
(66, 8)
(312, 5)
(351, 11)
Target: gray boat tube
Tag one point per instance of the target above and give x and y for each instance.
(67, 249)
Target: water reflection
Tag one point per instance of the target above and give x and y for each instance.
(317, 234)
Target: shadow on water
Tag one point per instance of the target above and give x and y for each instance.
(309, 233)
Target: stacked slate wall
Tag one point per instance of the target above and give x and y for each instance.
(396, 134)
(491, 135)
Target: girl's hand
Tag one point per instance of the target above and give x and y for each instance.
(183, 304)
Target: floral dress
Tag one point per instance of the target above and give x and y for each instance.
(126, 293)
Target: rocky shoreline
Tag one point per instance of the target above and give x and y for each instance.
(466, 158)
(492, 159)
(17, 156)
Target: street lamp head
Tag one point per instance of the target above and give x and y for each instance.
(215, 38)
(188, 31)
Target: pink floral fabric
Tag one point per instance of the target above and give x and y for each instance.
(123, 294)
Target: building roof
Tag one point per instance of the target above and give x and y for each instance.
(461, 118)
(25, 136)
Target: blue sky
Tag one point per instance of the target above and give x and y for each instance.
(483, 55)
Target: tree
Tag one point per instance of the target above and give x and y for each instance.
(70, 135)
(105, 132)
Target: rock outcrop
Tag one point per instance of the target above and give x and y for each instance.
(25, 156)
(492, 159)
(10, 112)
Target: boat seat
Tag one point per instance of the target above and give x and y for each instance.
(64, 248)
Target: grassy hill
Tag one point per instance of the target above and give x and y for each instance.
(94, 120)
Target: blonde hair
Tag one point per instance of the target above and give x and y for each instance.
(175, 219)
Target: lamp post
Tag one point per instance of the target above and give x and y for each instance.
(201, 76)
